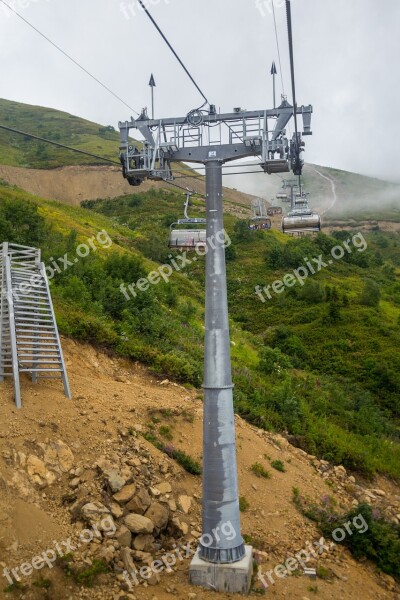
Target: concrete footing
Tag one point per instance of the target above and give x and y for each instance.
(234, 577)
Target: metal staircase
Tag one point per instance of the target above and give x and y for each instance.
(29, 339)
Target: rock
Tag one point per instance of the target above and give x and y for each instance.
(196, 534)
(94, 512)
(38, 473)
(125, 494)
(281, 441)
(106, 553)
(126, 557)
(140, 502)
(352, 479)
(138, 523)
(74, 482)
(192, 596)
(116, 510)
(340, 472)
(380, 493)
(364, 499)
(154, 579)
(159, 515)
(115, 480)
(143, 542)
(172, 505)
(164, 487)
(143, 557)
(155, 492)
(35, 466)
(184, 503)
(124, 537)
(180, 527)
(103, 465)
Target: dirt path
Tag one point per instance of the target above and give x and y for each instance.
(333, 186)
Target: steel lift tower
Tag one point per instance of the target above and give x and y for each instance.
(223, 563)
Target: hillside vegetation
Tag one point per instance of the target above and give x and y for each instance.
(20, 151)
(318, 361)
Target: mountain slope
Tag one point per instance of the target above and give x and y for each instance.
(116, 406)
(357, 197)
(337, 399)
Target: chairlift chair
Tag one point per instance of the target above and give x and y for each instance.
(260, 223)
(260, 218)
(274, 210)
(283, 197)
(301, 219)
(188, 237)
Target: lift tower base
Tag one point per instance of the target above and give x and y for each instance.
(233, 578)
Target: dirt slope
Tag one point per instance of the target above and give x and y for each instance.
(114, 403)
(76, 183)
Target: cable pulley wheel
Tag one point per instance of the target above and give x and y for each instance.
(195, 118)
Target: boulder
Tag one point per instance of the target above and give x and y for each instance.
(138, 523)
(143, 542)
(179, 527)
(65, 456)
(140, 502)
(184, 503)
(164, 487)
(115, 480)
(159, 515)
(126, 557)
(94, 512)
(124, 537)
(125, 494)
(36, 467)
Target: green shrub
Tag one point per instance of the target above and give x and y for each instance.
(165, 432)
(187, 462)
(260, 471)
(379, 541)
(371, 293)
(243, 504)
(278, 465)
(272, 360)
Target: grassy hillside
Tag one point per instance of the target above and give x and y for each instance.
(358, 197)
(18, 151)
(319, 361)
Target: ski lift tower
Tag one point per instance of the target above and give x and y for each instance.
(222, 562)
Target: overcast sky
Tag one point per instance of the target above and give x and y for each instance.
(346, 55)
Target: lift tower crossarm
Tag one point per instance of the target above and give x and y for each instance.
(187, 139)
